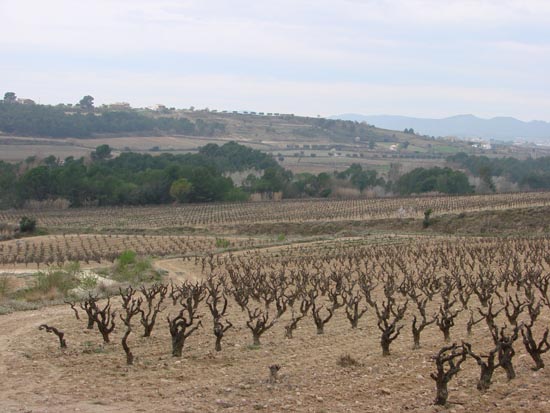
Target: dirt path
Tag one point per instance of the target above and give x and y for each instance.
(178, 269)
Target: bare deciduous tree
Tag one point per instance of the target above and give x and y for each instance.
(88, 306)
(506, 352)
(305, 305)
(60, 335)
(104, 318)
(447, 362)
(180, 326)
(535, 349)
(417, 328)
(388, 326)
(487, 368)
(156, 292)
(132, 307)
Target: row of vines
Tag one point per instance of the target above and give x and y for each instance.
(95, 248)
(486, 299)
(184, 216)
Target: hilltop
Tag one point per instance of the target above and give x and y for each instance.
(302, 144)
(464, 126)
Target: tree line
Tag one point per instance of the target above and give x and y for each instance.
(529, 174)
(417, 181)
(132, 178)
(139, 179)
(83, 120)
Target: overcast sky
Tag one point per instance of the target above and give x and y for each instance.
(430, 58)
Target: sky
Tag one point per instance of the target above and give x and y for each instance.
(426, 58)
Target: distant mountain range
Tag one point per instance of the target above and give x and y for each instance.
(463, 126)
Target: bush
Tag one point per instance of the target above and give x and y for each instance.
(346, 360)
(222, 243)
(133, 269)
(325, 193)
(27, 225)
(59, 280)
(88, 282)
(5, 284)
(426, 222)
(127, 258)
(235, 195)
(73, 268)
(50, 285)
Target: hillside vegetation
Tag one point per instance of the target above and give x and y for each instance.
(84, 121)
(300, 144)
(206, 155)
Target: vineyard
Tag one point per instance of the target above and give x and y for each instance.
(382, 322)
(214, 216)
(389, 306)
(97, 248)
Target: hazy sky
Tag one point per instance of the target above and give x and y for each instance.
(429, 58)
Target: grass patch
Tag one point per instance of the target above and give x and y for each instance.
(59, 280)
(91, 348)
(253, 347)
(5, 285)
(49, 285)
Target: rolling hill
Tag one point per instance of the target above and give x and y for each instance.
(464, 126)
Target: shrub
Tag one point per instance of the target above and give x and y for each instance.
(50, 285)
(133, 269)
(73, 268)
(325, 193)
(5, 284)
(426, 222)
(222, 243)
(345, 360)
(235, 195)
(27, 224)
(88, 282)
(56, 279)
(127, 258)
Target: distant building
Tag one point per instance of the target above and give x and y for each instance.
(482, 145)
(119, 106)
(158, 107)
(24, 101)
